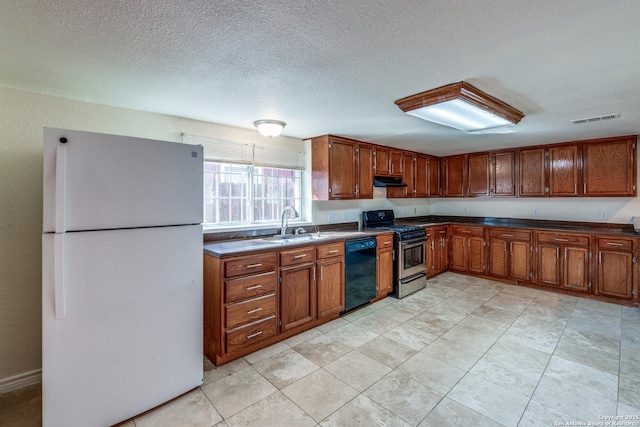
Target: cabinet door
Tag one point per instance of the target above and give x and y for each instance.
(459, 253)
(576, 268)
(330, 285)
(382, 161)
(563, 170)
(365, 171)
(475, 246)
(548, 264)
(385, 272)
(434, 186)
(421, 176)
(503, 174)
(520, 260)
(395, 163)
(478, 175)
(343, 167)
(532, 173)
(431, 252)
(615, 272)
(297, 296)
(442, 253)
(454, 176)
(498, 263)
(608, 168)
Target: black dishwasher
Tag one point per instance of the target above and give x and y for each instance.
(360, 272)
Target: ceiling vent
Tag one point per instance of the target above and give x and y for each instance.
(596, 119)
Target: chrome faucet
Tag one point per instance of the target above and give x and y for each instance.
(284, 222)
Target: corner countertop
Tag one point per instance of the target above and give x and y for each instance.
(239, 247)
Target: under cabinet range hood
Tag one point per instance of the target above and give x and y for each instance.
(388, 181)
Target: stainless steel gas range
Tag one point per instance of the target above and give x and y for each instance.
(409, 242)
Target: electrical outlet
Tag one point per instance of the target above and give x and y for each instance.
(415, 211)
(604, 214)
(535, 212)
(402, 211)
(331, 217)
(344, 215)
(465, 211)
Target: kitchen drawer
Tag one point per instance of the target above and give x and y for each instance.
(385, 241)
(251, 264)
(297, 256)
(247, 335)
(563, 239)
(510, 234)
(250, 310)
(615, 243)
(330, 250)
(468, 231)
(250, 287)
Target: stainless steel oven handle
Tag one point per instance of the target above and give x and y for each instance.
(413, 242)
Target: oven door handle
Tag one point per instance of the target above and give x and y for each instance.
(413, 277)
(413, 242)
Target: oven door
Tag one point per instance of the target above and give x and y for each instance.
(412, 258)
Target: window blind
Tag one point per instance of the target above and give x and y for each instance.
(226, 151)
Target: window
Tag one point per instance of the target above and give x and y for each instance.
(248, 184)
(244, 194)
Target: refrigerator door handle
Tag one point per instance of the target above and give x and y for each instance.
(61, 175)
(58, 276)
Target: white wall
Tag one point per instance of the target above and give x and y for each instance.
(22, 118)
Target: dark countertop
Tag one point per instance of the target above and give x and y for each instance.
(239, 247)
(224, 248)
(536, 225)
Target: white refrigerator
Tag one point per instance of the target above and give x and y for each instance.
(121, 276)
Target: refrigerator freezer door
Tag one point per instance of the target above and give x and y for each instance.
(131, 337)
(113, 182)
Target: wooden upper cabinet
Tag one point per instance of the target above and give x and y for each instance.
(434, 186)
(478, 175)
(365, 171)
(395, 162)
(381, 161)
(454, 176)
(563, 170)
(608, 168)
(421, 165)
(503, 174)
(532, 173)
(341, 169)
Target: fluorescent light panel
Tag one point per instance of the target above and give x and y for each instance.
(460, 106)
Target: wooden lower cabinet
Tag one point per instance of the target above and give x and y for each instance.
(384, 265)
(297, 296)
(615, 267)
(330, 279)
(467, 249)
(256, 299)
(563, 261)
(510, 254)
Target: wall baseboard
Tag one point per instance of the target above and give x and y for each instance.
(21, 380)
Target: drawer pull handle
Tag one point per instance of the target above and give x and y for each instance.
(300, 256)
(615, 244)
(561, 240)
(388, 242)
(255, 310)
(507, 235)
(466, 231)
(250, 288)
(254, 335)
(333, 251)
(254, 265)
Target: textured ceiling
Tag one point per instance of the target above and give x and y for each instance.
(336, 66)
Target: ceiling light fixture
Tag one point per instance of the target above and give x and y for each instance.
(461, 106)
(269, 128)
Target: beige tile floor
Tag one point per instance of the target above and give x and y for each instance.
(462, 352)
